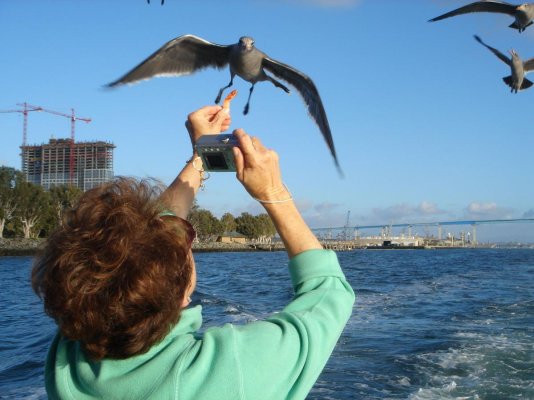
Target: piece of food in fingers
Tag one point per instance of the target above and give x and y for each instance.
(228, 99)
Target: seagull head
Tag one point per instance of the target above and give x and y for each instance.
(246, 43)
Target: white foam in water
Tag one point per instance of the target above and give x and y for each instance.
(458, 359)
(483, 366)
(404, 381)
(444, 393)
(231, 309)
(239, 316)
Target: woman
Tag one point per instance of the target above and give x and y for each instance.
(117, 278)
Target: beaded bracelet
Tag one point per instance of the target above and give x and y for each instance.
(204, 175)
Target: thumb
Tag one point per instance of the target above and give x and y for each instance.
(239, 161)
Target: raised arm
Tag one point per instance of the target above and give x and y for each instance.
(259, 172)
(281, 357)
(180, 194)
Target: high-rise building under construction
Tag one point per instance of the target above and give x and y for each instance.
(62, 162)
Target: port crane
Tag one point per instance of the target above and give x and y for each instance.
(73, 118)
(346, 228)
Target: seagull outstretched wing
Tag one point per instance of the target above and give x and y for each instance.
(309, 93)
(480, 6)
(529, 65)
(503, 58)
(181, 56)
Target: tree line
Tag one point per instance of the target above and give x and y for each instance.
(29, 211)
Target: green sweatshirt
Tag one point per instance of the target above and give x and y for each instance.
(278, 358)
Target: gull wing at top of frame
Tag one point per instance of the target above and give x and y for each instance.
(480, 6)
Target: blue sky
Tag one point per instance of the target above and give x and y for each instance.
(424, 127)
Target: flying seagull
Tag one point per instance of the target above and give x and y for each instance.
(188, 54)
(523, 13)
(162, 1)
(517, 80)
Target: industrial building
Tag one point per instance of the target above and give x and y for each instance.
(63, 162)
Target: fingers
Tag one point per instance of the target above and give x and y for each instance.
(245, 142)
(226, 124)
(215, 115)
(210, 111)
(258, 145)
(220, 121)
(239, 161)
(207, 120)
(249, 144)
(257, 168)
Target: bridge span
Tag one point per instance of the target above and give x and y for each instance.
(354, 231)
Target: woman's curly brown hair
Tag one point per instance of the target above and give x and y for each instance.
(114, 275)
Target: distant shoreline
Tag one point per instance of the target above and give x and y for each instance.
(19, 247)
(30, 247)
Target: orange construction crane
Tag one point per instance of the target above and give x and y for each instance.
(73, 118)
(27, 108)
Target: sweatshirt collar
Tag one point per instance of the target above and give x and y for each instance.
(190, 321)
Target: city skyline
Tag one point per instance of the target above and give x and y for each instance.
(67, 162)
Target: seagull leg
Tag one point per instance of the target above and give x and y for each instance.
(218, 99)
(245, 111)
(278, 84)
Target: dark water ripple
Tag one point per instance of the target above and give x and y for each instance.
(456, 324)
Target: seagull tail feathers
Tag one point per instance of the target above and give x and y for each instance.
(526, 84)
(514, 26)
(509, 81)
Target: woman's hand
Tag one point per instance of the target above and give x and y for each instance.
(180, 194)
(257, 168)
(209, 120)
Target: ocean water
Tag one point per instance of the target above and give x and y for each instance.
(427, 324)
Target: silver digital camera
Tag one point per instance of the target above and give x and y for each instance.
(216, 152)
